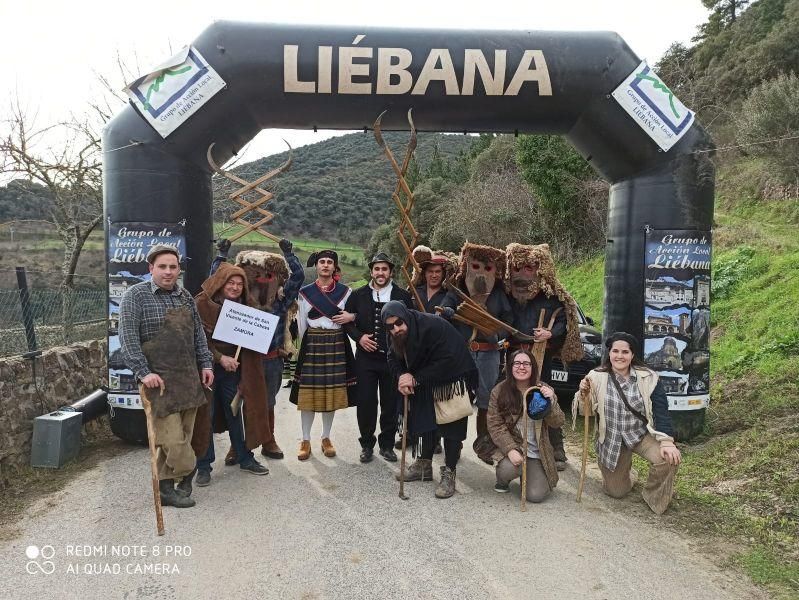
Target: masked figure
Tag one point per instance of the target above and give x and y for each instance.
(535, 291)
(480, 275)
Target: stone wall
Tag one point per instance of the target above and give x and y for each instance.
(63, 375)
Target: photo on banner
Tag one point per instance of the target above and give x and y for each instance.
(128, 244)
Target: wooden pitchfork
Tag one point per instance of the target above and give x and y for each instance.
(408, 241)
(251, 207)
(148, 415)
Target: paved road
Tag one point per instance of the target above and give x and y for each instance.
(333, 528)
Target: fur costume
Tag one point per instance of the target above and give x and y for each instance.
(547, 283)
(424, 256)
(266, 274)
(478, 281)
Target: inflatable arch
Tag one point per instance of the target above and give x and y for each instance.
(239, 78)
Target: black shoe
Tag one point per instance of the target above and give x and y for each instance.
(254, 467)
(501, 488)
(367, 454)
(203, 478)
(169, 497)
(184, 487)
(388, 454)
(438, 449)
(398, 444)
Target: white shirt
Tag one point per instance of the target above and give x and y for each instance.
(383, 294)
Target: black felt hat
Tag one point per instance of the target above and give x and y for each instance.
(381, 257)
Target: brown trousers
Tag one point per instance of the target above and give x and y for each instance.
(660, 483)
(174, 454)
(537, 484)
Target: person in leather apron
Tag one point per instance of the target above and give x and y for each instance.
(164, 344)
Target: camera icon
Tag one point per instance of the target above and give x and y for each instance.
(39, 560)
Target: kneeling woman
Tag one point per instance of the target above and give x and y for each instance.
(632, 416)
(505, 425)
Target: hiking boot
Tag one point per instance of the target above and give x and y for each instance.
(272, 450)
(184, 487)
(367, 454)
(420, 470)
(231, 458)
(446, 488)
(388, 454)
(203, 478)
(169, 497)
(254, 467)
(501, 488)
(305, 450)
(328, 449)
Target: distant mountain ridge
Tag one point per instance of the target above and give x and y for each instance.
(337, 189)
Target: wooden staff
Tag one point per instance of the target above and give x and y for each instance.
(404, 445)
(524, 455)
(159, 515)
(586, 411)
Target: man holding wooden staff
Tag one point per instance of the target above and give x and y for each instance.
(163, 343)
(544, 309)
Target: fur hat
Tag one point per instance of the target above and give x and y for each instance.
(423, 256)
(485, 254)
(270, 262)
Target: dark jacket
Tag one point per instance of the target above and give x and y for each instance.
(430, 303)
(362, 303)
(525, 318)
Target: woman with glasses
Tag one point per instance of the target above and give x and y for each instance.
(505, 425)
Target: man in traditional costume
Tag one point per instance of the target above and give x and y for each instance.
(232, 376)
(273, 290)
(538, 297)
(324, 380)
(370, 358)
(480, 276)
(163, 343)
(428, 358)
(428, 280)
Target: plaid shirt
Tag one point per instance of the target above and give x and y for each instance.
(141, 315)
(622, 426)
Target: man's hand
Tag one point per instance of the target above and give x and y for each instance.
(671, 454)
(343, 318)
(152, 381)
(367, 342)
(229, 363)
(406, 384)
(540, 334)
(515, 457)
(285, 245)
(207, 377)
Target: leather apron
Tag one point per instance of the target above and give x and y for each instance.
(171, 355)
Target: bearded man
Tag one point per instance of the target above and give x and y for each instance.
(480, 276)
(370, 358)
(538, 297)
(431, 364)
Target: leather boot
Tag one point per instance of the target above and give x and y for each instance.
(270, 449)
(169, 497)
(231, 458)
(556, 439)
(184, 487)
(304, 452)
(420, 470)
(446, 488)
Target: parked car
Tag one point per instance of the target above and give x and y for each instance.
(564, 380)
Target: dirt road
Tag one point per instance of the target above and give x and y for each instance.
(334, 528)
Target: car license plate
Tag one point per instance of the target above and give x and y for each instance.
(560, 375)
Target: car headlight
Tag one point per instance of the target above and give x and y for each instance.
(593, 350)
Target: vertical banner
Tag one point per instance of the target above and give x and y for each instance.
(677, 314)
(128, 244)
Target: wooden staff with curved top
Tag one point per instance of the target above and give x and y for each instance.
(409, 242)
(251, 207)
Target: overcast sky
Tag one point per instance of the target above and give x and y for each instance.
(52, 51)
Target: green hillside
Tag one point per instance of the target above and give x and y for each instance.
(740, 479)
(340, 188)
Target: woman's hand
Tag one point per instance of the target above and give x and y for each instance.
(515, 457)
(671, 454)
(585, 385)
(547, 392)
(229, 363)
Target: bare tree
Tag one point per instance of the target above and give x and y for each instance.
(66, 159)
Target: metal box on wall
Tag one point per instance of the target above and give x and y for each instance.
(56, 439)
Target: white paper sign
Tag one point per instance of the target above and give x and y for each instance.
(175, 90)
(654, 107)
(241, 325)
